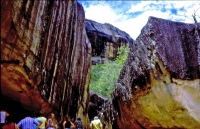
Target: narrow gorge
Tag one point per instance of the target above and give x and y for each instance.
(47, 52)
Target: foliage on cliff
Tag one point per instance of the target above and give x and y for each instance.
(104, 76)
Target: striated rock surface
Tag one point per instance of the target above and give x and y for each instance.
(45, 57)
(159, 85)
(105, 40)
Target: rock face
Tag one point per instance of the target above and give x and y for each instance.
(159, 86)
(45, 57)
(105, 40)
(97, 105)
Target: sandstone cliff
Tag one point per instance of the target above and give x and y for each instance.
(45, 57)
(159, 85)
(105, 40)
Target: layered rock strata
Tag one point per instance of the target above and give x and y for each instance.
(45, 56)
(105, 40)
(159, 85)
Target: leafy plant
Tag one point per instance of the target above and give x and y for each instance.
(104, 76)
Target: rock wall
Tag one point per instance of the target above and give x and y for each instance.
(97, 105)
(159, 85)
(45, 56)
(105, 40)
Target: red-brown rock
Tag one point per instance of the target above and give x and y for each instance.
(45, 56)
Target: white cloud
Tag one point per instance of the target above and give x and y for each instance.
(103, 12)
(142, 6)
(134, 26)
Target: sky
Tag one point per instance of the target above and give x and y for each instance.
(132, 15)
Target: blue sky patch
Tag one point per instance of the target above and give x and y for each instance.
(135, 14)
(132, 15)
(173, 11)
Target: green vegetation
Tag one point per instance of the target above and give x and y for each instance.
(104, 76)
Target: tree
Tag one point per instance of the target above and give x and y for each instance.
(195, 14)
(104, 76)
(196, 11)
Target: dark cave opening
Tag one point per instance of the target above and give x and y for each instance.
(14, 109)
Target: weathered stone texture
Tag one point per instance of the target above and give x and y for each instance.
(105, 39)
(159, 86)
(45, 56)
(97, 105)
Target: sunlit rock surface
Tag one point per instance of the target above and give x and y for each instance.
(45, 57)
(105, 40)
(159, 85)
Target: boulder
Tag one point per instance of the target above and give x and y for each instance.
(97, 105)
(45, 57)
(105, 40)
(159, 85)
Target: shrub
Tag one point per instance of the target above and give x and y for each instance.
(104, 76)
